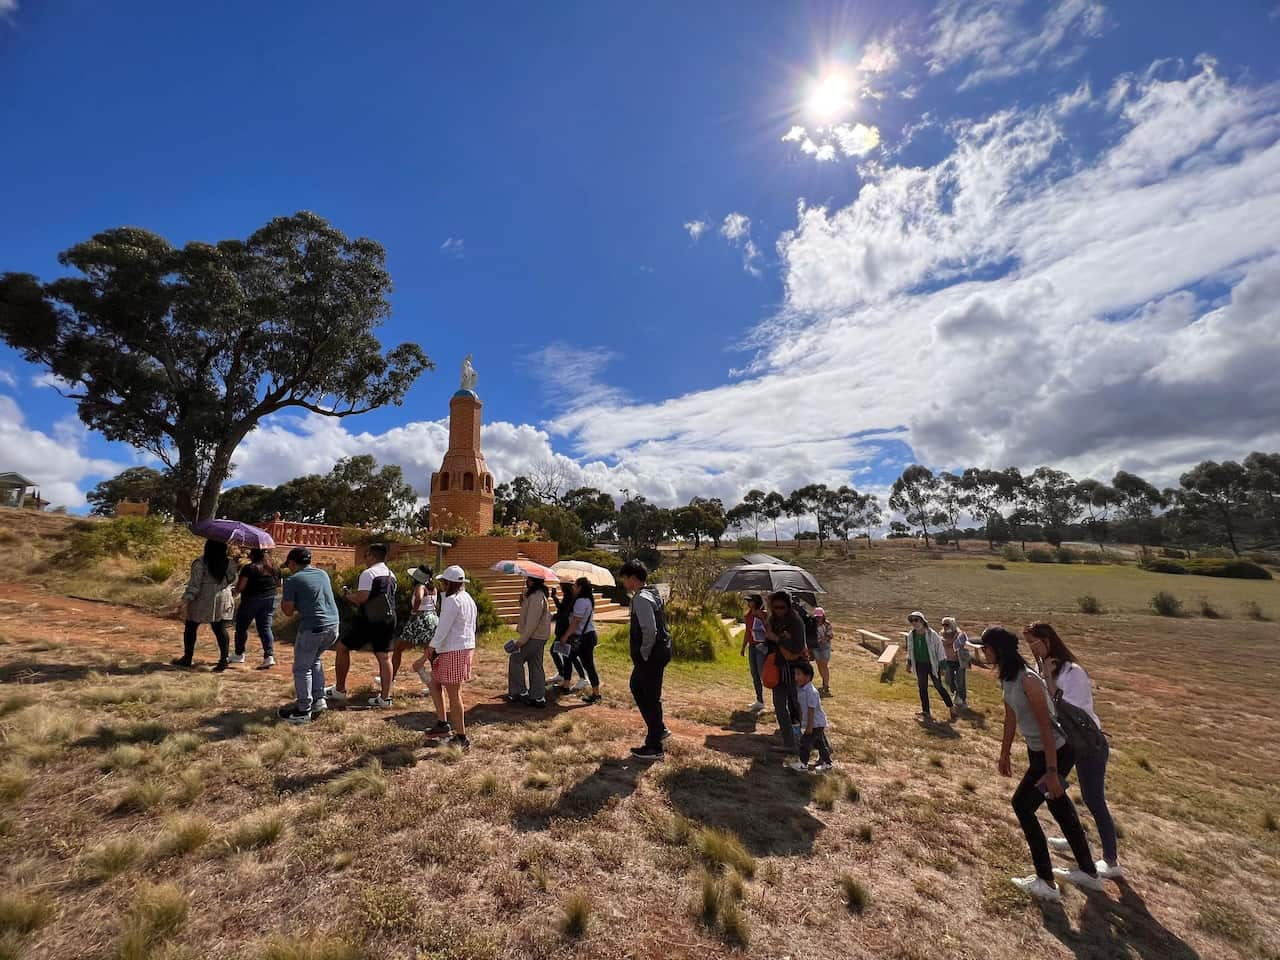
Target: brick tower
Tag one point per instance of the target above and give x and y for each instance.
(462, 489)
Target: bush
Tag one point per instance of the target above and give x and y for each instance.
(1214, 553)
(731, 605)
(158, 571)
(749, 544)
(576, 916)
(1166, 604)
(1066, 555)
(691, 580)
(1089, 604)
(856, 895)
(1040, 555)
(1012, 554)
(136, 537)
(1208, 610)
(1155, 565)
(1173, 553)
(1235, 569)
(695, 635)
(157, 914)
(995, 566)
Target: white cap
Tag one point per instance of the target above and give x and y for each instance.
(453, 574)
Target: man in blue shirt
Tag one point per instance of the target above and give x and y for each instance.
(308, 593)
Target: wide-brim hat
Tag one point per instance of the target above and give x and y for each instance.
(421, 574)
(453, 574)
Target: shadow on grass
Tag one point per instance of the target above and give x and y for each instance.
(34, 671)
(230, 724)
(488, 713)
(775, 820)
(612, 779)
(940, 731)
(392, 756)
(746, 721)
(1113, 929)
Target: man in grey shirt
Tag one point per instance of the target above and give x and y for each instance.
(650, 654)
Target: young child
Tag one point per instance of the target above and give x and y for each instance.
(814, 722)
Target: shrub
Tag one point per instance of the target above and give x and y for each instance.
(1173, 553)
(361, 782)
(694, 574)
(1235, 569)
(730, 605)
(1040, 555)
(1089, 604)
(140, 796)
(158, 912)
(1214, 553)
(856, 896)
(158, 571)
(136, 537)
(1166, 604)
(826, 792)
(1156, 565)
(749, 544)
(1208, 610)
(1259, 556)
(183, 835)
(1066, 555)
(995, 566)
(1012, 553)
(695, 636)
(733, 926)
(709, 900)
(387, 909)
(111, 858)
(576, 917)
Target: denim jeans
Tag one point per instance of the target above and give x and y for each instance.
(1093, 774)
(308, 671)
(1027, 800)
(756, 654)
(257, 610)
(953, 672)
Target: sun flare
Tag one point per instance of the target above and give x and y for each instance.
(829, 97)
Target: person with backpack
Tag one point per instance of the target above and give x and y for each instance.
(650, 654)
(788, 645)
(1028, 709)
(256, 587)
(1068, 683)
(374, 626)
(207, 599)
(925, 654)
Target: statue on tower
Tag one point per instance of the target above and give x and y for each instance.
(468, 375)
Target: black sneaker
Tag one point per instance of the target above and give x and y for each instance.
(647, 753)
(461, 741)
(538, 704)
(298, 717)
(181, 662)
(512, 699)
(220, 666)
(442, 729)
(592, 698)
(287, 711)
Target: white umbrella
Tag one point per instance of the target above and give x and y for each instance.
(577, 569)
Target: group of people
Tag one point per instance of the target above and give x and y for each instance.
(1050, 706)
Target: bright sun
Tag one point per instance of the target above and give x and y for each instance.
(830, 96)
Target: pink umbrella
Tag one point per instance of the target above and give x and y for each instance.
(526, 568)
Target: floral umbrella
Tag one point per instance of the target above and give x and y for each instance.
(526, 568)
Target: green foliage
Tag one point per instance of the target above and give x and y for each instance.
(856, 896)
(1066, 555)
(1166, 604)
(1041, 555)
(158, 571)
(139, 484)
(1089, 604)
(730, 605)
(1214, 553)
(1012, 553)
(748, 544)
(561, 525)
(696, 635)
(136, 537)
(1234, 569)
(1159, 565)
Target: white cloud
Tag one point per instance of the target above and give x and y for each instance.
(52, 381)
(736, 228)
(1020, 302)
(993, 40)
(8, 8)
(571, 375)
(824, 144)
(454, 247)
(7, 379)
(695, 229)
(57, 463)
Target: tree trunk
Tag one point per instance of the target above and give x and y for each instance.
(219, 469)
(186, 493)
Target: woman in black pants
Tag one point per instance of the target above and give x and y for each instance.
(1029, 711)
(564, 614)
(207, 599)
(582, 635)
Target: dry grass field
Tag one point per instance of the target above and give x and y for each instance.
(150, 813)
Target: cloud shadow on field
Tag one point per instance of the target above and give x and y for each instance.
(1112, 929)
(612, 780)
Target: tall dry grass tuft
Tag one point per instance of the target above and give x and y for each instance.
(157, 913)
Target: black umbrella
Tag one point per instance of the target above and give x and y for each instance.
(767, 577)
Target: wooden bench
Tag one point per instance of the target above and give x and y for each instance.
(890, 654)
(888, 650)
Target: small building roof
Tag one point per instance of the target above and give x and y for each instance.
(12, 479)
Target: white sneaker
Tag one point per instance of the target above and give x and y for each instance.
(424, 675)
(581, 685)
(1038, 888)
(1060, 844)
(556, 679)
(333, 693)
(318, 706)
(377, 701)
(823, 767)
(757, 706)
(1078, 877)
(1107, 872)
(797, 766)
(236, 658)
(267, 663)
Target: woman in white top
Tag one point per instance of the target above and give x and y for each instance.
(582, 637)
(1063, 675)
(451, 651)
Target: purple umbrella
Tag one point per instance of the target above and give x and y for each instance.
(234, 533)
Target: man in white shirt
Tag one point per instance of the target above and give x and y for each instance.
(374, 625)
(451, 652)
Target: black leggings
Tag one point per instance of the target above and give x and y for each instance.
(220, 633)
(1027, 800)
(586, 657)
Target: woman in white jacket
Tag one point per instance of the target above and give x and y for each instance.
(925, 654)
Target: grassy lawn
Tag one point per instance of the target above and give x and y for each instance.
(150, 813)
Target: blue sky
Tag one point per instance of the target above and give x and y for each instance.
(659, 273)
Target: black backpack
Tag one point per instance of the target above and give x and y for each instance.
(1083, 735)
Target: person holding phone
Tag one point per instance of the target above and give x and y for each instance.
(1028, 710)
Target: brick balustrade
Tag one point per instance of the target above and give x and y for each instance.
(480, 553)
(305, 534)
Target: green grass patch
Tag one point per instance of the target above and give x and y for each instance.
(722, 848)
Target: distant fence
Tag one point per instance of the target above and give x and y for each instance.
(306, 534)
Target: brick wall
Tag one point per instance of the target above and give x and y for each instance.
(329, 558)
(479, 553)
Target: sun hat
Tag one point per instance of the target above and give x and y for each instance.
(819, 612)
(453, 574)
(421, 574)
(914, 614)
